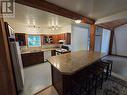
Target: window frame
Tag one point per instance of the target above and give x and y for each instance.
(34, 35)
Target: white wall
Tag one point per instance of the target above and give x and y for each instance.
(79, 39)
(120, 41)
(105, 40)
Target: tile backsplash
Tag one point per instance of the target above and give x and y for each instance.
(26, 48)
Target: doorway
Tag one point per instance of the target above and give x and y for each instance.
(102, 39)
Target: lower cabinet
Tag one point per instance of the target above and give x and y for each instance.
(53, 52)
(48, 54)
(29, 59)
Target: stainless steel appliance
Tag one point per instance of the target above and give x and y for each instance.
(15, 58)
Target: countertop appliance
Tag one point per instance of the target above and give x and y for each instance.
(63, 49)
(15, 58)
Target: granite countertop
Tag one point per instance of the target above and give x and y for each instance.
(72, 62)
(42, 50)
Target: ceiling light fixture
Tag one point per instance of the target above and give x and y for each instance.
(33, 26)
(78, 21)
(53, 28)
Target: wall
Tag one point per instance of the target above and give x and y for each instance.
(120, 41)
(79, 40)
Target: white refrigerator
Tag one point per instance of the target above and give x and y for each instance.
(15, 58)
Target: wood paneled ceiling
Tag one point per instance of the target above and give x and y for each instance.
(113, 24)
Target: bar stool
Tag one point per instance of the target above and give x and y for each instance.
(98, 77)
(107, 66)
(89, 80)
(83, 81)
(109, 63)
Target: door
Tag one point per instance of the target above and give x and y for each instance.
(98, 39)
(105, 41)
(79, 38)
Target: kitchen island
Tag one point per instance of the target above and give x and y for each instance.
(67, 65)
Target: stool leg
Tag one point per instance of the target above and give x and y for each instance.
(102, 80)
(110, 69)
(96, 79)
(107, 72)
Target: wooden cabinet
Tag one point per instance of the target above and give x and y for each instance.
(67, 38)
(54, 39)
(20, 37)
(61, 37)
(64, 36)
(53, 52)
(29, 59)
(47, 39)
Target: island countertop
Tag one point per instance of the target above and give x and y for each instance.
(72, 62)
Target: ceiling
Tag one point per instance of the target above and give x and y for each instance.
(30, 16)
(95, 9)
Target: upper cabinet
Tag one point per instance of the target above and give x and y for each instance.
(47, 39)
(67, 38)
(30, 40)
(21, 38)
(54, 39)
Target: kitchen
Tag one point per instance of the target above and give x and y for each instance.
(51, 54)
(41, 35)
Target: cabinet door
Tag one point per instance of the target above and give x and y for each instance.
(61, 36)
(55, 39)
(20, 37)
(29, 59)
(67, 37)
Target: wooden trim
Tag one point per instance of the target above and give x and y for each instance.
(88, 20)
(7, 81)
(120, 25)
(52, 8)
(43, 90)
(104, 27)
(92, 36)
(111, 42)
(26, 38)
(119, 55)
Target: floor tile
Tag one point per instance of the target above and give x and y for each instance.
(37, 77)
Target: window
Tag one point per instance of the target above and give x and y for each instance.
(34, 41)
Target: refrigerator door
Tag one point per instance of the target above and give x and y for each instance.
(17, 65)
